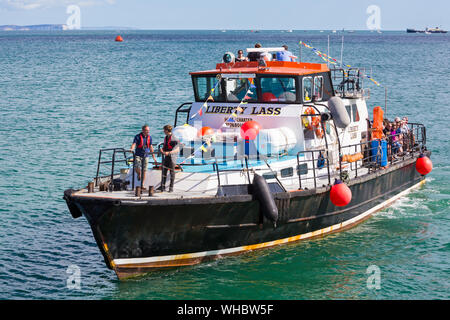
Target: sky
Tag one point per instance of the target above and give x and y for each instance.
(232, 14)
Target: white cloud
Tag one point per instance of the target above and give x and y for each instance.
(38, 4)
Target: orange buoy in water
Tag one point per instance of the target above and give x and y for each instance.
(119, 39)
(424, 165)
(205, 131)
(340, 194)
(250, 130)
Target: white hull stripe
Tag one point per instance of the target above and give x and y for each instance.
(134, 261)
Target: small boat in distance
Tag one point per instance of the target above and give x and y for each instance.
(427, 30)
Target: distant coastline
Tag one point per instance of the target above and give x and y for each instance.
(49, 27)
(13, 27)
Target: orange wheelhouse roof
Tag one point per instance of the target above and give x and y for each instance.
(273, 67)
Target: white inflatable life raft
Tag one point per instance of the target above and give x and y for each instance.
(276, 141)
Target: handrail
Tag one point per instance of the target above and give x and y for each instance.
(113, 161)
(313, 161)
(179, 110)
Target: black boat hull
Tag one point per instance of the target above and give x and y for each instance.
(136, 237)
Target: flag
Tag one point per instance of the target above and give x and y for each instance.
(203, 148)
(200, 112)
(239, 109)
(234, 115)
(210, 98)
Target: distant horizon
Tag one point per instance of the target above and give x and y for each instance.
(235, 15)
(193, 29)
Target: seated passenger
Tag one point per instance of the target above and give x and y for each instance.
(396, 135)
(254, 56)
(285, 55)
(240, 56)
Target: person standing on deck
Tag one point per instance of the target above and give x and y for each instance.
(143, 144)
(169, 150)
(285, 55)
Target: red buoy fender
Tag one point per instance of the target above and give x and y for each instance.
(250, 130)
(424, 165)
(340, 194)
(119, 39)
(205, 131)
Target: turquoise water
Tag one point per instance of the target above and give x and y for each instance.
(65, 95)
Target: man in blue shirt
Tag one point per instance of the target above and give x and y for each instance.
(285, 55)
(143, 144)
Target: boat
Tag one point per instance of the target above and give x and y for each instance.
(435, 30)
(272, 152)
(427, 30)
(414, 31)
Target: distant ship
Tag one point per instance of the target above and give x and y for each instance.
(427, 30)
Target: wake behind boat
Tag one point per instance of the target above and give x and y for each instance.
(272, 152)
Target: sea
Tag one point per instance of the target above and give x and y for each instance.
(64, 95)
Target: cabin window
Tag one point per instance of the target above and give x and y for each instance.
(302, 169)
(239, 87)
(349, 111)
(307, 89)
(355, 113)
(318, 87)
(287, 172)
(269, 175)
(278, 89)
(203, 87)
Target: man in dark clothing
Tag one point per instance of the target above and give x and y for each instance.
(254, 56)
(143, 144)
(169, 150)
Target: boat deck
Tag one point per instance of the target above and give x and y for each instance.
(189, 185)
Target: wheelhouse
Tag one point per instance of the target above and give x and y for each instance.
(276, 82)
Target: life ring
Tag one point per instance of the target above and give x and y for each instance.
(314, 124)
(315, 121)
(319, 132)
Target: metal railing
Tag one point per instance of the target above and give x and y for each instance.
(353, 158)
(182, 109)
(311, 164)
(126, 159)
(317, 163)
(349, 82)
(112, 162)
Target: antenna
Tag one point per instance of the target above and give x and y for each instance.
(328, 60)
(300, 58)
